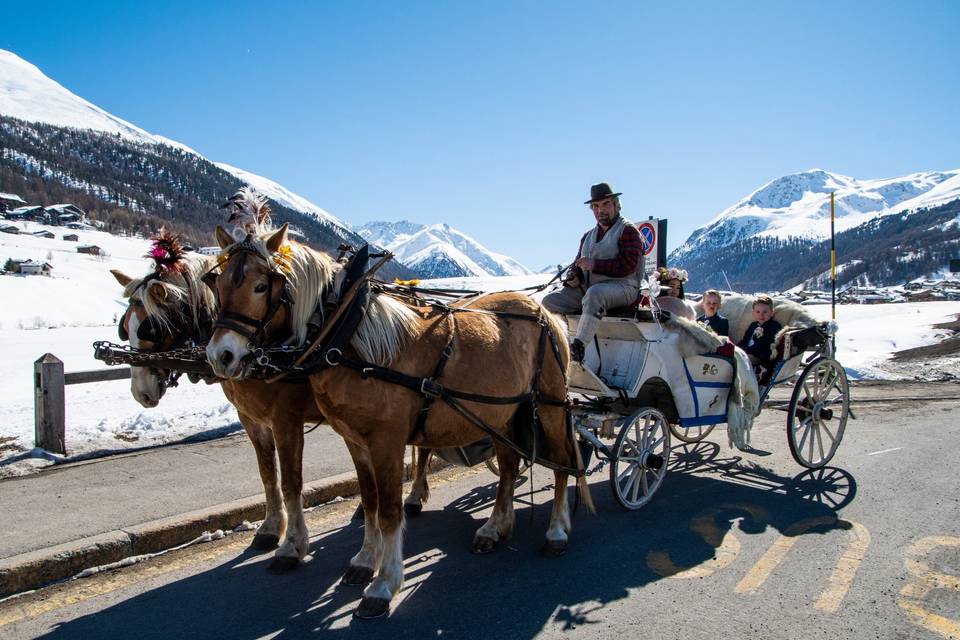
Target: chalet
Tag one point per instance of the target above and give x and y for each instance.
(8, 200)
(91, 249)
(65, 213)
(9, 228)
(82, 226)
(33, 268)
(209, 251)
(71, 237)
(44, 234)
(35, 213)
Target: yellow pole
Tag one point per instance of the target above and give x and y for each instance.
(833, 266)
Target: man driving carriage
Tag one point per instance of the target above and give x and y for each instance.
(607, 272)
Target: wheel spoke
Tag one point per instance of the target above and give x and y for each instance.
(806, 390)
(833, 438)
(635, 483)
(819, 441)
(646, 485)
(810, 457)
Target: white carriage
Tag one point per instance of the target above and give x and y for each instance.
(635, 390)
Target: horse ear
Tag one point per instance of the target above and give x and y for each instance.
(224, 239)
(157, 291)
(278, 239)
(121, 277)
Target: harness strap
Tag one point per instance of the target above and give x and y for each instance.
(428, 399)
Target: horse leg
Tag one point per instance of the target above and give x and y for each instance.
(500, 524)
(559, 529)
(420, 492)
(367, 560)
(288, 434)
(388, 470)
(275, 519)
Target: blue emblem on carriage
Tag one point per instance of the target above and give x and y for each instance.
(708, 369)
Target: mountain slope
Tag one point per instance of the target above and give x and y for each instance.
(798, 206)
(772, 238)
(439, 251)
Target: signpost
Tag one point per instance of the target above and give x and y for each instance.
(653, 232)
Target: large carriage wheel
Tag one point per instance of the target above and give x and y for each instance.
(640, 458)
(818, 412)
(691, 435)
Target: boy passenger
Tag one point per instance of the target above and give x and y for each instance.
(711, 314)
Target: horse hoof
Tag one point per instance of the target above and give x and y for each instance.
(483, 546)
(265, 542)
(412, 509)
(358, 513)
(283, 564)
(372, 608)
(357, 576)
(554, 548)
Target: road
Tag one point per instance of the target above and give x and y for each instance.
(733, 545)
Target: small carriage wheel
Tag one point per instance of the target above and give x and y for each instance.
(494, 468)
(818, 412)
(691, 435)
(640, 458)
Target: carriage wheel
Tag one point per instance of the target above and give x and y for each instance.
(494, 468)
(818, 413)
(641, 454)
(691, 435)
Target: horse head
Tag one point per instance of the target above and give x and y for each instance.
(166, 309)
(254, 293)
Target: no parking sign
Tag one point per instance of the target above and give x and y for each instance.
(653, 233)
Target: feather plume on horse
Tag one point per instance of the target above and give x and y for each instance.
(249, 212)
(492, 351)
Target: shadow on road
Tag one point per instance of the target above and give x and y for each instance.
(515, 592)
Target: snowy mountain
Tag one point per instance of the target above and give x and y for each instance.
(439, 251)
(798, 206)
(887, 231)
(27, 94)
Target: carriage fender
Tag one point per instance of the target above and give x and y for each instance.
(656, 393)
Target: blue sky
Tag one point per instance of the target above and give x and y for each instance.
(496, 117)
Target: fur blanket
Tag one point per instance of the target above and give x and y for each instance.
(744, 395)
(738, 309)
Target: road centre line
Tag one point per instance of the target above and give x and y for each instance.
(876, 453)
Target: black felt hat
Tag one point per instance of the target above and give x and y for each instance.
(601, 191)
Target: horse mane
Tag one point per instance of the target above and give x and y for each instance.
(182, 285)
(382, 331)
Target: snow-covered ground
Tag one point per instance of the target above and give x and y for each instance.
(66, 313)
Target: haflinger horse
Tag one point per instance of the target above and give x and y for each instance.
(494, 349)
(172, 306)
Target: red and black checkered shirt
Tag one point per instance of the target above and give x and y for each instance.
(630, 248)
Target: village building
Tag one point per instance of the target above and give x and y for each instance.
(91, 249)
(9, 228)
(33, 268)
(209, 251)
(71, 237)
(34, 213)
(10, 200)
(44, 234)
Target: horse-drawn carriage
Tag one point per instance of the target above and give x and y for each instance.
(638, 388)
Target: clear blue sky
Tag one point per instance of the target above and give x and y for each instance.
(495, 117)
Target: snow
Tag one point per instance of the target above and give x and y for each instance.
(798, 205)
(417, 246)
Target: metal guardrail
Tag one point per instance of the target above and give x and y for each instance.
(49, 381)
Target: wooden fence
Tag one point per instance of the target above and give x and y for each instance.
(49, 381)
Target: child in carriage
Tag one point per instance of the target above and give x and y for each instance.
(711, 317)
(759, 337)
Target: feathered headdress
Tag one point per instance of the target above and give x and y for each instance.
(249, 210)
(167, 252)
(665, 275)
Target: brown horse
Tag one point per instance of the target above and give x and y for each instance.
(493, 352)
(165, 309)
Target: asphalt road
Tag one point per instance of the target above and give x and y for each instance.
(733, 545)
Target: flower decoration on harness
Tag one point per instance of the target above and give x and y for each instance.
(167, 252)
(663, 274)
(282, 257)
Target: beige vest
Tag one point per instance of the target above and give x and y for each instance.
(608, 247)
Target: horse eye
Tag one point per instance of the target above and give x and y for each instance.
(260, 288)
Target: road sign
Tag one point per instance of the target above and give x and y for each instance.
(648, 233)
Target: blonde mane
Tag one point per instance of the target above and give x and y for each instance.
(382, 331)
(185, 293)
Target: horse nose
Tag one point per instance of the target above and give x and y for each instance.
(226, 357)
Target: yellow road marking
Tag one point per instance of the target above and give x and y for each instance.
(842, 576)
(914, 593)
(726, 545)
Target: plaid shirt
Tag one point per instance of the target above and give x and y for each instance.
(628, 256)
